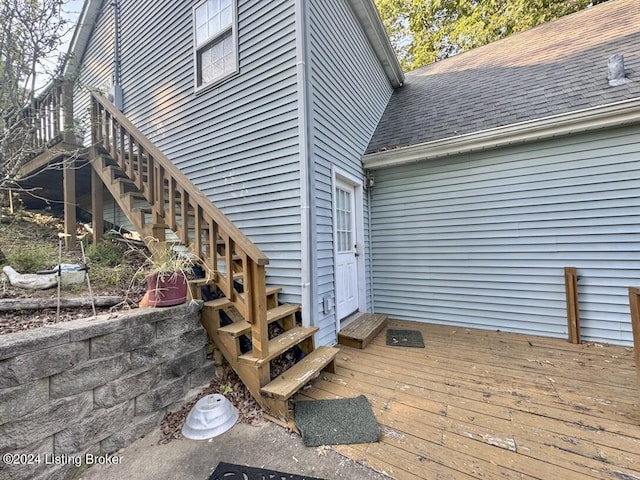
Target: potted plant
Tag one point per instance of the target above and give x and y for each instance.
(166, 272)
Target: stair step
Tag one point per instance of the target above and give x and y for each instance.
(279, 345)
(360, 332)
(238, 329)
(115, 172)
(135, 196)
(217, 304)
(284, 386)
(144, 210)
(273, 290)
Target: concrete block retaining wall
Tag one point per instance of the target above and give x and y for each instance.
(95, 385)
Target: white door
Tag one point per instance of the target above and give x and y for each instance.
(345, 242)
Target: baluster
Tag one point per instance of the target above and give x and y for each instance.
(212, 253)
(160, 197)
(107, 143)
(197, 234)
(56, 93)
(151, 179)
(184, 212)
(114, 141)
(172, 203)
(139, 171)
(122, 161)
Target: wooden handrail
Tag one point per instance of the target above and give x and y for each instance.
(239, 238)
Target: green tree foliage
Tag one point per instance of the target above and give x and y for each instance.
(424, 31)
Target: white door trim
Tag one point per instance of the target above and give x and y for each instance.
(339, 175)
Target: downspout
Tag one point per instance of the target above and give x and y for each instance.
(306, 226)
(116, 91)
(369, 181)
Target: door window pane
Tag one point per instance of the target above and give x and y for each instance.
(343, 221)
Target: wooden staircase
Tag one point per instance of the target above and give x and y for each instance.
(157, 198)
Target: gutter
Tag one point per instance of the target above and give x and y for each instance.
(612, 115)
(369, 18)
(308, 313)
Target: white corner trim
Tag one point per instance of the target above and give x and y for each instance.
(306, 285)
(369, 18)
(612, 115)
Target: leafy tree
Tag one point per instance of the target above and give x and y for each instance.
(424, 31)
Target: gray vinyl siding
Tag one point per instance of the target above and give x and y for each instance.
(238, 141)
(481, 240)
(349, 92)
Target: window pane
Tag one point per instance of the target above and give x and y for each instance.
(214, 24)
(201, 24)
(225, 17)
(217, 59)
(216, 49)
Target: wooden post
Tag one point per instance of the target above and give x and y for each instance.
(258, 313)
(68, 134)
(69, 194)
(97, 204)
(69, 168)
(573, 312)
(634, 304)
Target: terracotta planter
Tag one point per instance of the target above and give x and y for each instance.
(167, 290)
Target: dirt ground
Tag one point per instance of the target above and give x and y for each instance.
(31, 238)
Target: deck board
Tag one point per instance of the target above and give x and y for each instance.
(478, 404)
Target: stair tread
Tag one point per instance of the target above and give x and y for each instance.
(273, 290)
(218, 303)
(360, 332)
(280, 344)
(284, 386)
(137, 195)
(243, 327)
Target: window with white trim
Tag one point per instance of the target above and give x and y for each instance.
(216, 45)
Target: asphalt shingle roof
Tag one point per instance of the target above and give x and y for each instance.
(555, 68)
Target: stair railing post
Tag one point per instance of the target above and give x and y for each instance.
(69, 166)
(634, 305)
(97, 203)
(255, 279)
(69, 136)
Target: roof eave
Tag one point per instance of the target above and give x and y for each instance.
(81, 36)
(617, 114)
(369, 18)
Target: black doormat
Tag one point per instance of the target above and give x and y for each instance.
(336, 422)
(229, 471)
(405, 338)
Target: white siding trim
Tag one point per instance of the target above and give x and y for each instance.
(308, 313)
(369, 19)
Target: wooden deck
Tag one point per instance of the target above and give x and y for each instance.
(478, 404)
